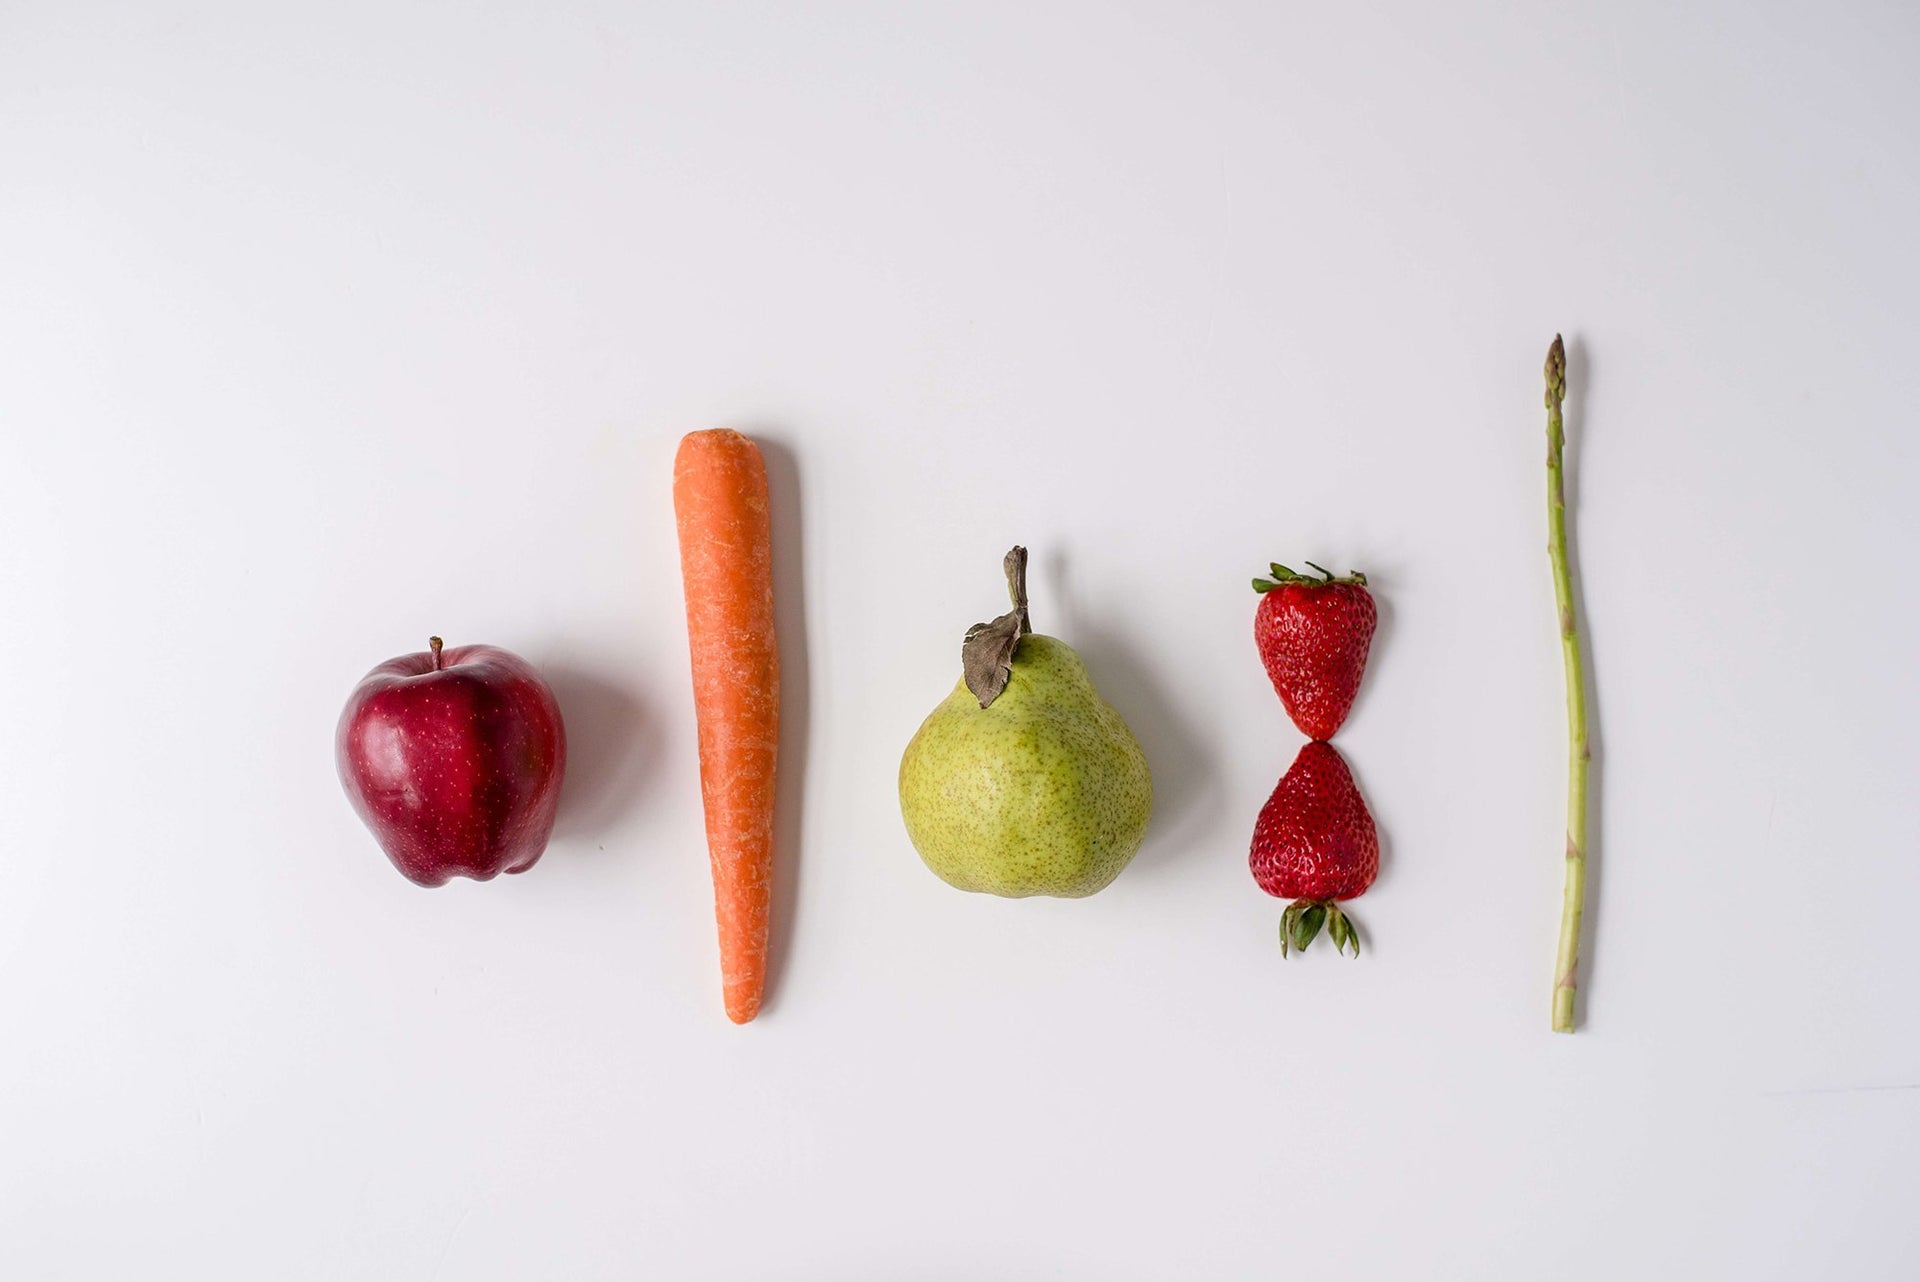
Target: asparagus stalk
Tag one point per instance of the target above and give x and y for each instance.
(1573, 895)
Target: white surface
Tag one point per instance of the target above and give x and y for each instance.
(322, 333)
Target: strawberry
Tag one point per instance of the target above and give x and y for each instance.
(1314, 843)
(1313, 636)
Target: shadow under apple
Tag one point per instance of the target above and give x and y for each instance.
(613, 747)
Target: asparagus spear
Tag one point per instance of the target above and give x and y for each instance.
(1573, 895)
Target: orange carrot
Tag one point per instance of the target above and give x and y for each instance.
(726, 562)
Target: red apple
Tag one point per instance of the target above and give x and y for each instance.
(454, 759)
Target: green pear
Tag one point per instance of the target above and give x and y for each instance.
(1024, 781)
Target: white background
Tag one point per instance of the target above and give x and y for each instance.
(322, 331)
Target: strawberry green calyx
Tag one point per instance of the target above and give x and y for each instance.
(1282, 575)
(1300, 925)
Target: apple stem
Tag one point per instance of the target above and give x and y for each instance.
(434, 644)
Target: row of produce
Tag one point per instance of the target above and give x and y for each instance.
(1023, 781)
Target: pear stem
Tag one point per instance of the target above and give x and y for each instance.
(1015, 565)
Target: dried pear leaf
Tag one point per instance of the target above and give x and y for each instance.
(986, 656)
